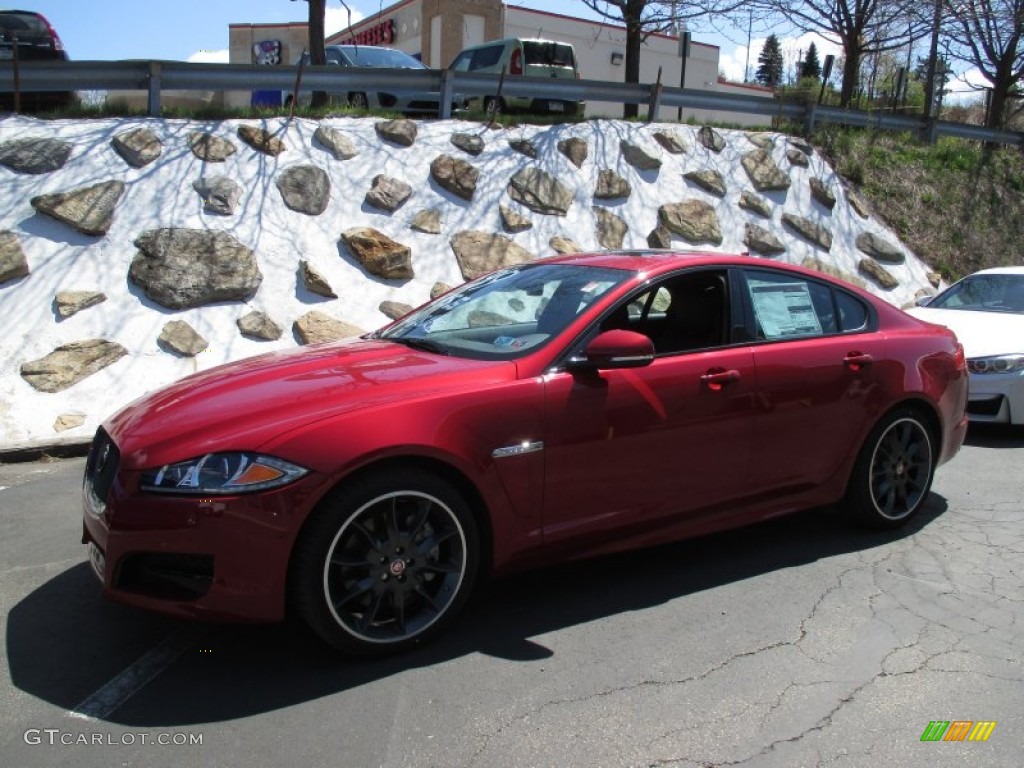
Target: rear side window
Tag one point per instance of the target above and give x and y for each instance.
(789, 306)
(853, 315)
(548, 54)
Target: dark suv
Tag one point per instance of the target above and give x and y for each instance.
(29, 37)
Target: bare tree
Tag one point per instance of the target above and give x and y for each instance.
(862, 27)
(317, 49)
(989, 34)
(642, 18)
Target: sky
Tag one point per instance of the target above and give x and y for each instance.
(161, 195)
(197, 30)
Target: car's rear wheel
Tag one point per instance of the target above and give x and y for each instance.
(387, 561)
(358, 101)
(894, 471)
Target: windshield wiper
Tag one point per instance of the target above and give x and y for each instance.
(415, 342)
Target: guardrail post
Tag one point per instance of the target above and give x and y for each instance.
(809, 119)
(154, 88)
(447, 90)
(930, 130)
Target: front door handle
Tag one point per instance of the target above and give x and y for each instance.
(857, 360)
(717, 378)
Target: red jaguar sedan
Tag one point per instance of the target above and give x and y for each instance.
(555, 410)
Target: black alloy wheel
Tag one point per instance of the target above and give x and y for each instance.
(389, 563)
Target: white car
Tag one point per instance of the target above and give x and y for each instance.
(986, 311)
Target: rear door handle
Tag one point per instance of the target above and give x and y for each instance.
(856, 360)
(715, 379)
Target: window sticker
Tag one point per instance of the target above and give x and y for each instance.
(784, 309)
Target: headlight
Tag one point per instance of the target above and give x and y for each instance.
(222, 473)
(996, 364)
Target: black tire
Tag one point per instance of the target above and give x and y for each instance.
(492, 105)
(358, 101)
(387, 561)
(894, 471)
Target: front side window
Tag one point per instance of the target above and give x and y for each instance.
(508, 313)
(483, 58)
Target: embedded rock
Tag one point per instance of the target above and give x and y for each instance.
(524, 147)
(755, 204)
(378, 253)
(314, 282)
(659, 237)
(638, 157)
(562, 244)
(761, 140)
(210, 148)
(611, 186)
(68, 303)
(711, 139)
(185, 268)
(821, 192)
(934, 279)
(305, 189)
(671, 142)
(70, 363)
(439, 289)
(872, 269)
(401, 132)
(257, 325)
(428, 221)
(802, 145)
(454, 175)
(858, 204)
(540, 191)
(816, 233)
(708, 180)
(760, 240)
(693, 220)
(180, 338)
(812, 262)
(481, 252)
(68, 421)
(34, 156)
(513, 222)
(575, 149)
(13, 263)
(797, 158)
(261, 140)
(138, 147)
(219, 194)
(394, 309)
(89, 210)
(335, 142)
(609, 229)
(763, 171)
(468, 142)
(880, 249)
(316, 328)
(387, 193)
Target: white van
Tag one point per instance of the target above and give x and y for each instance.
(522, 58)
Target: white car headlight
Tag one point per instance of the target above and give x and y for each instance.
(222, 473)
(996, 364)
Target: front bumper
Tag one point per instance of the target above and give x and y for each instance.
(222, 558)
(996, 398)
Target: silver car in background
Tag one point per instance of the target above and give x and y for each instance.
(378, 57)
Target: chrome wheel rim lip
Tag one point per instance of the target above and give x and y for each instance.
(383, 594)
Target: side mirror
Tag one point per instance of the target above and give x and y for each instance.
(616, 349)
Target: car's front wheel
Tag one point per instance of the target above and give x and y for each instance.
(894, 471)
(386, 561)
(358, 101)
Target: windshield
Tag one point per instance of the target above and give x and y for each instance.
(387, 58)
(508, 313)
(984, 293)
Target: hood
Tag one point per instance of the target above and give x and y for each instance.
(242, 405)
(983, 334)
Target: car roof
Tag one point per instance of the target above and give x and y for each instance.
(656, 261)
(999, 271)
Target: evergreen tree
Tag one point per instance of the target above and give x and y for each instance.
(769, 70)
(811, 67)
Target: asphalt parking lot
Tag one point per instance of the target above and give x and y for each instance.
(800, 642)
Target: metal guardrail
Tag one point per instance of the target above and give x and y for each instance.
(157, 76)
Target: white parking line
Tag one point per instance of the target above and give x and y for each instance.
(104, 701)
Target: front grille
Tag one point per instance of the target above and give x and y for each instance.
(987, 407)
(169, 576)
(101, 466)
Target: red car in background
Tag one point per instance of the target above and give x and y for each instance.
(26, 36)
(559, 409)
